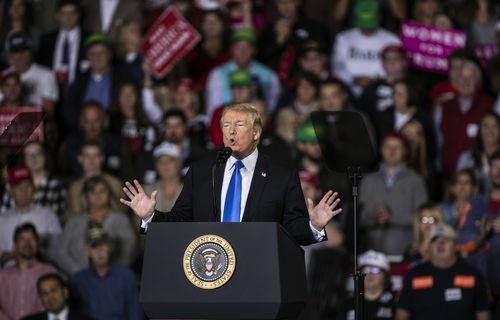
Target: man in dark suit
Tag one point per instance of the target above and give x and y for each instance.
(249, 186)
(53, 293)
(62, 50)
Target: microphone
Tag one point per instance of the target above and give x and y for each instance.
(222, 156)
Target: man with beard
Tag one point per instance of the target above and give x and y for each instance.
(445, 287)
(18, 294)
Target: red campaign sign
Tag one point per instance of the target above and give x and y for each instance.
(168, 40)
(20, 124)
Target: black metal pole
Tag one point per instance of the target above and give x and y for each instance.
(358, 276)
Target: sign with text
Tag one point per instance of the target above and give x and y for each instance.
(168, 40)
(428, 48)
(485, 52)
(19, 124)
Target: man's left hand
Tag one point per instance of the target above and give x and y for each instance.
(324, 211)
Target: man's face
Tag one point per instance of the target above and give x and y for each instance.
(26, 245)
(467, 83)
(241, 93)
(175, 130)
(184, 98)
(99, 254)
(392, 151)
(68, 17)
(52, 295)
(443, 249)
(20, 60)
(394, 64)
(92, 123)
(242, 52)
(239, 133)
(495, 173)
(314, 62)
(22, 193)
(34, 157)
(331, 98)
(11, 89)
(91, 160)
(99, 58)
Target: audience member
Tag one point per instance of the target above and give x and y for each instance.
(464, 187)
(378, 96)
(356, 52)
(427, 217)
(129, 54)
(304, 101)
(378, 297)
(40, 82)
(95, 84)
(168, 165)
(458, 119)
(313, 58)
(18, 292)
(11, 90)
(25, 210)
(485, 144)
(390, 198)
(104, 289)
(445, 287)
(98, 211)
(54, 295)
(425, 11)
(91, 158)
(176, 131)
(243, 49)
(282, 38)
(49, 190)
(62, 50)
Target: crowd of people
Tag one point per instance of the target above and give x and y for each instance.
(429, 213)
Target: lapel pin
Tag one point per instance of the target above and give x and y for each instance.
(263, 174)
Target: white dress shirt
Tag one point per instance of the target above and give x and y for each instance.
(108, 8)
(63, 315)
(74, 47)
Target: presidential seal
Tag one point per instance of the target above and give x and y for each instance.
(209, 262)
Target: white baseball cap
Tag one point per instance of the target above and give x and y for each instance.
(374, 259)
(167, 149)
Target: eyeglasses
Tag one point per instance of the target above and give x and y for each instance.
(371, 270)
(428, 220)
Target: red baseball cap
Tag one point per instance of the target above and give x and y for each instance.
(18, 174)
(185, 83)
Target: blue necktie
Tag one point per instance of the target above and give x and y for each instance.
(232, 205)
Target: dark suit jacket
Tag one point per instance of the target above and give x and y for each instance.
(48, 47)
(275, 195)
(44, 316)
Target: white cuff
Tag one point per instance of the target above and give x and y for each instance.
(145, 223)
(318, 235)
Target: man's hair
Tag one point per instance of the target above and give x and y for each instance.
(51, 276)
(245, 108)
(26, 227)
(175, 113)
(91, 144)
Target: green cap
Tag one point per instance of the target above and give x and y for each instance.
(97, 38)
(240, 78)
(367, 14)
(244, 34)
(306, 133)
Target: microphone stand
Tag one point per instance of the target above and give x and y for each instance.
(358, 277)
(222, 156)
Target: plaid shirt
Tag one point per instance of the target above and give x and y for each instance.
(50, 193)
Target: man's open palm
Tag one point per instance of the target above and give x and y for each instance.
(142, 205)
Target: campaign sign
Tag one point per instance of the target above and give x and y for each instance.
(19, 124)
(485, 52)
(428, 48)
(168, 40)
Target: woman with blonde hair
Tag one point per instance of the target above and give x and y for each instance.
(427, 217)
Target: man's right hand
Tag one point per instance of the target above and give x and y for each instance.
(142, 205)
